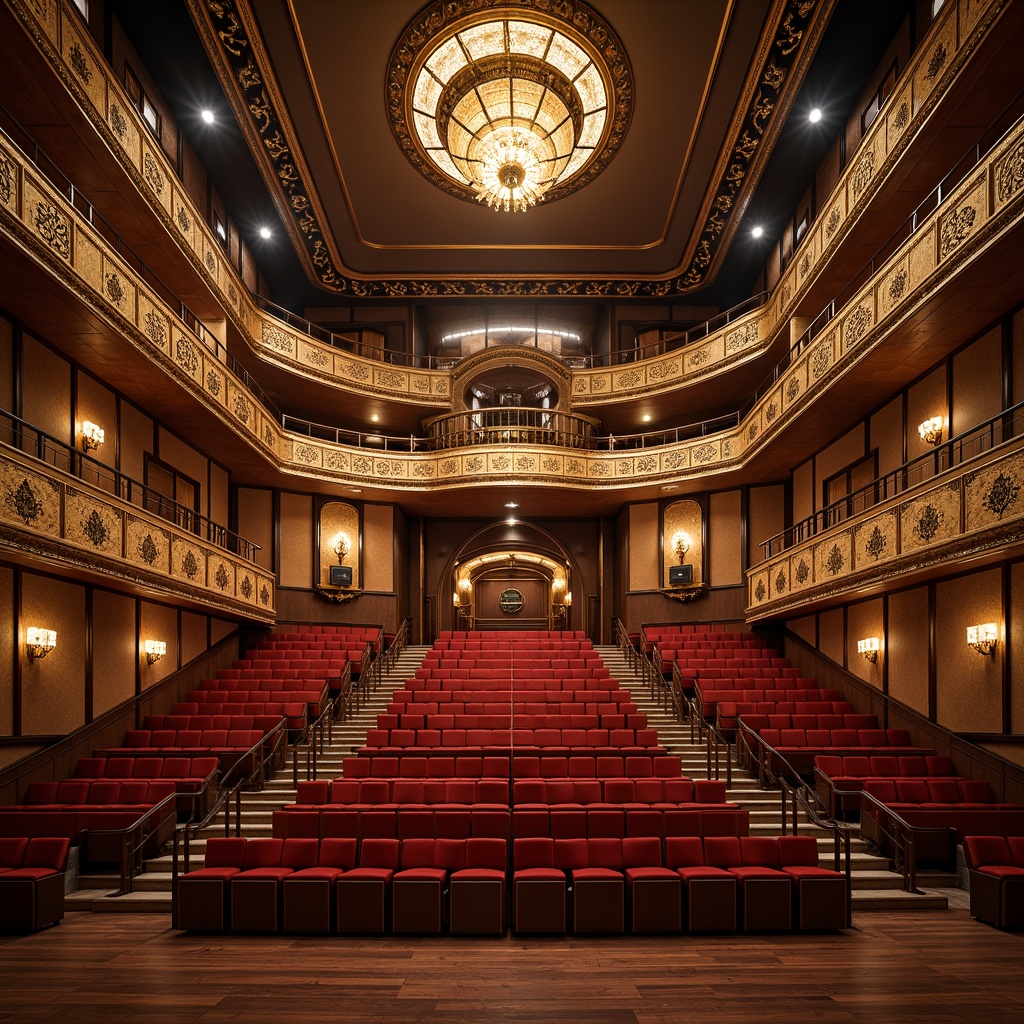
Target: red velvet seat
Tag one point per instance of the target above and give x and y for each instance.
(654, 891)
(765, 890)
(203, 895)
(256, 889)
(820, 895)
(417, 889)
(32, 882)
(310, 893)
(538, 887)
(477, 891)
(364, 891)
(709, 893)
(995, 867)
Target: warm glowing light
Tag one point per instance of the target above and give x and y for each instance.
(342, 546)
(868, 648)
(40, 641)
(983, 637)
(155, 650)
(931, 430)
(681, 543)
(92, 436)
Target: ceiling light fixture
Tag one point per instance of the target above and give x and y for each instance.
(758, 231)
(511, 504)
(207, 116)
(511, 105)
(265, 232)
(814, 116)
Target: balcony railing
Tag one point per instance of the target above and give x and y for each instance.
(26, 438)
(957, 450)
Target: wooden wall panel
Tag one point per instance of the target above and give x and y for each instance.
(378, 565)
(6, 366)
(220, 628)
(1018, 357)
(906, 648)
(9, 638)
(805, 628)
(256, 522)
(644, 547)
(925, 399)
(193, 636)
(803, 491)
(977, 382)
(969, 690)
(765, 518)
(1016, 639)
(218, 494)
(158, 622)
(53, 688)
(46, 390)
(136, 441)
(843, 452)
(830, 634)
(886, 435)
(185, 459)
(865, 620)
(297, 531)
(97, 403)
(725, 533)
(114, 650)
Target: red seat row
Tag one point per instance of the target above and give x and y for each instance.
(581, 766)
(403, 702)
(404, 720)
(32, 882)
(847, 774)
(587, 738)
(193, 777)
(718, 884)
(995, 868)
(410, 821)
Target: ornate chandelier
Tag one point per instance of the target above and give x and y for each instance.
(508, 106)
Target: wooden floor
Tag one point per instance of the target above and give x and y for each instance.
(112, 968)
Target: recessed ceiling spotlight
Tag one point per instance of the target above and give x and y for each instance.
(356, 490)
(511, 504)
(264, 232)
(207, 116)
(647, 417)
(814, 116)
(511, 521)
(758, 231)
(670, 487)
(374, 418)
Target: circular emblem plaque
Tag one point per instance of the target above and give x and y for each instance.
(511, 601)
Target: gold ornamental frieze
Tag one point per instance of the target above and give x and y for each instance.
(951, 41)
(49, 514)
(969, 510)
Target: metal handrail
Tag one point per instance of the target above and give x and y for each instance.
(63, 456)
(131, 863)
(968, 445)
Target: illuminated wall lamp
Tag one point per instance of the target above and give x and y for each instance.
(155, 650)
(92, 436)
(681, 542)
(39, 642)
(342, 546)
(868, 648)
(931, 430)
(983, 637)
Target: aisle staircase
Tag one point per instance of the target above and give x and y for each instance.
(875, 886)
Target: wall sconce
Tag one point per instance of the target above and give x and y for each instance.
(92, 436)
(983, 637)
(931, 430)
(681, 542)
(39, 642)
(868, 648)
(155, 650)
(568, 599)
(342, 546)
(455, 599)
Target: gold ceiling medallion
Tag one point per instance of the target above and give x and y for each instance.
(509, 106)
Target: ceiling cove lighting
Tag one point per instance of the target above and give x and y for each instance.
(509, 105)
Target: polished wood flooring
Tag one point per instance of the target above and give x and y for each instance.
(925, 966)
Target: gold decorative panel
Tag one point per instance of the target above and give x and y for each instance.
(337, 518)
(876, 541)
(683, 517)
(931, 519)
